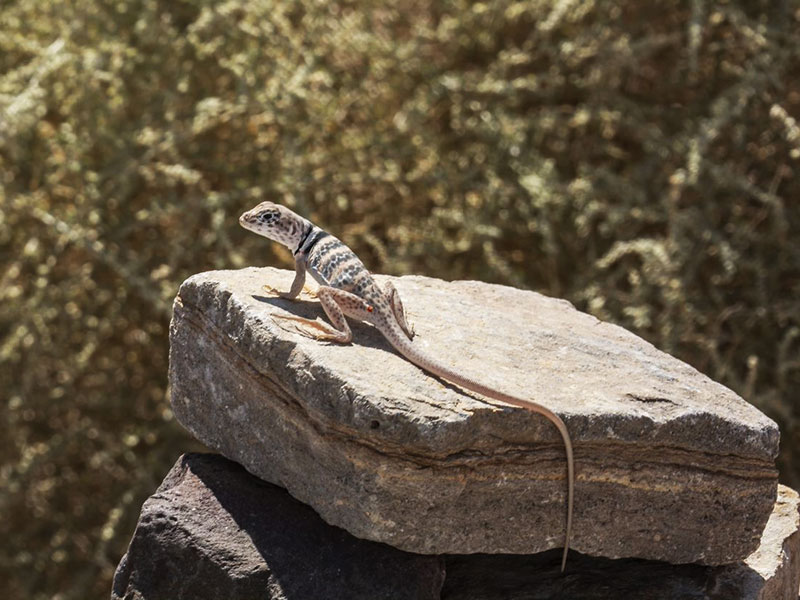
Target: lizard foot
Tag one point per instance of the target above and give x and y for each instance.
(275, 292)
(323, 331)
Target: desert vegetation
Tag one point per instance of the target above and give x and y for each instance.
(639, 159)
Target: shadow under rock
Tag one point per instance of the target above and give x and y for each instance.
(538, 577)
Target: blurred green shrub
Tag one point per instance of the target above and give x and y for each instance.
(640, 159)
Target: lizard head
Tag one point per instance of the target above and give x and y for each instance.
(276, 223)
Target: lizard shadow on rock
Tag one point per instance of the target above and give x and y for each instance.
(364, 334)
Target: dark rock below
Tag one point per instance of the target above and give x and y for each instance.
(212, 531)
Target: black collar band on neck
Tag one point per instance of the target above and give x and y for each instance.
(303, 239)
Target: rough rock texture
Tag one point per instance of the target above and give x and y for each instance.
(213, 531)
(670, 465)
(772, 572)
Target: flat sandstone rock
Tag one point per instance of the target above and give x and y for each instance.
(670, 465)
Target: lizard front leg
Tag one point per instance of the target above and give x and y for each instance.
(297, 284)
(336, 303)
(398, 310)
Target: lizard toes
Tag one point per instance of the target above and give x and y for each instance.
(271, 290)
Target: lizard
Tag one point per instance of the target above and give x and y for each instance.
(347, 289)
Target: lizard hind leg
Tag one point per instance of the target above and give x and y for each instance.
(336, 303)
(398, 310)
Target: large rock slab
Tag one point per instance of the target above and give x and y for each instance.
(772, 572)
(670, 465)
(212, 531)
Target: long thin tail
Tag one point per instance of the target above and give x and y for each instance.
(424, 361)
